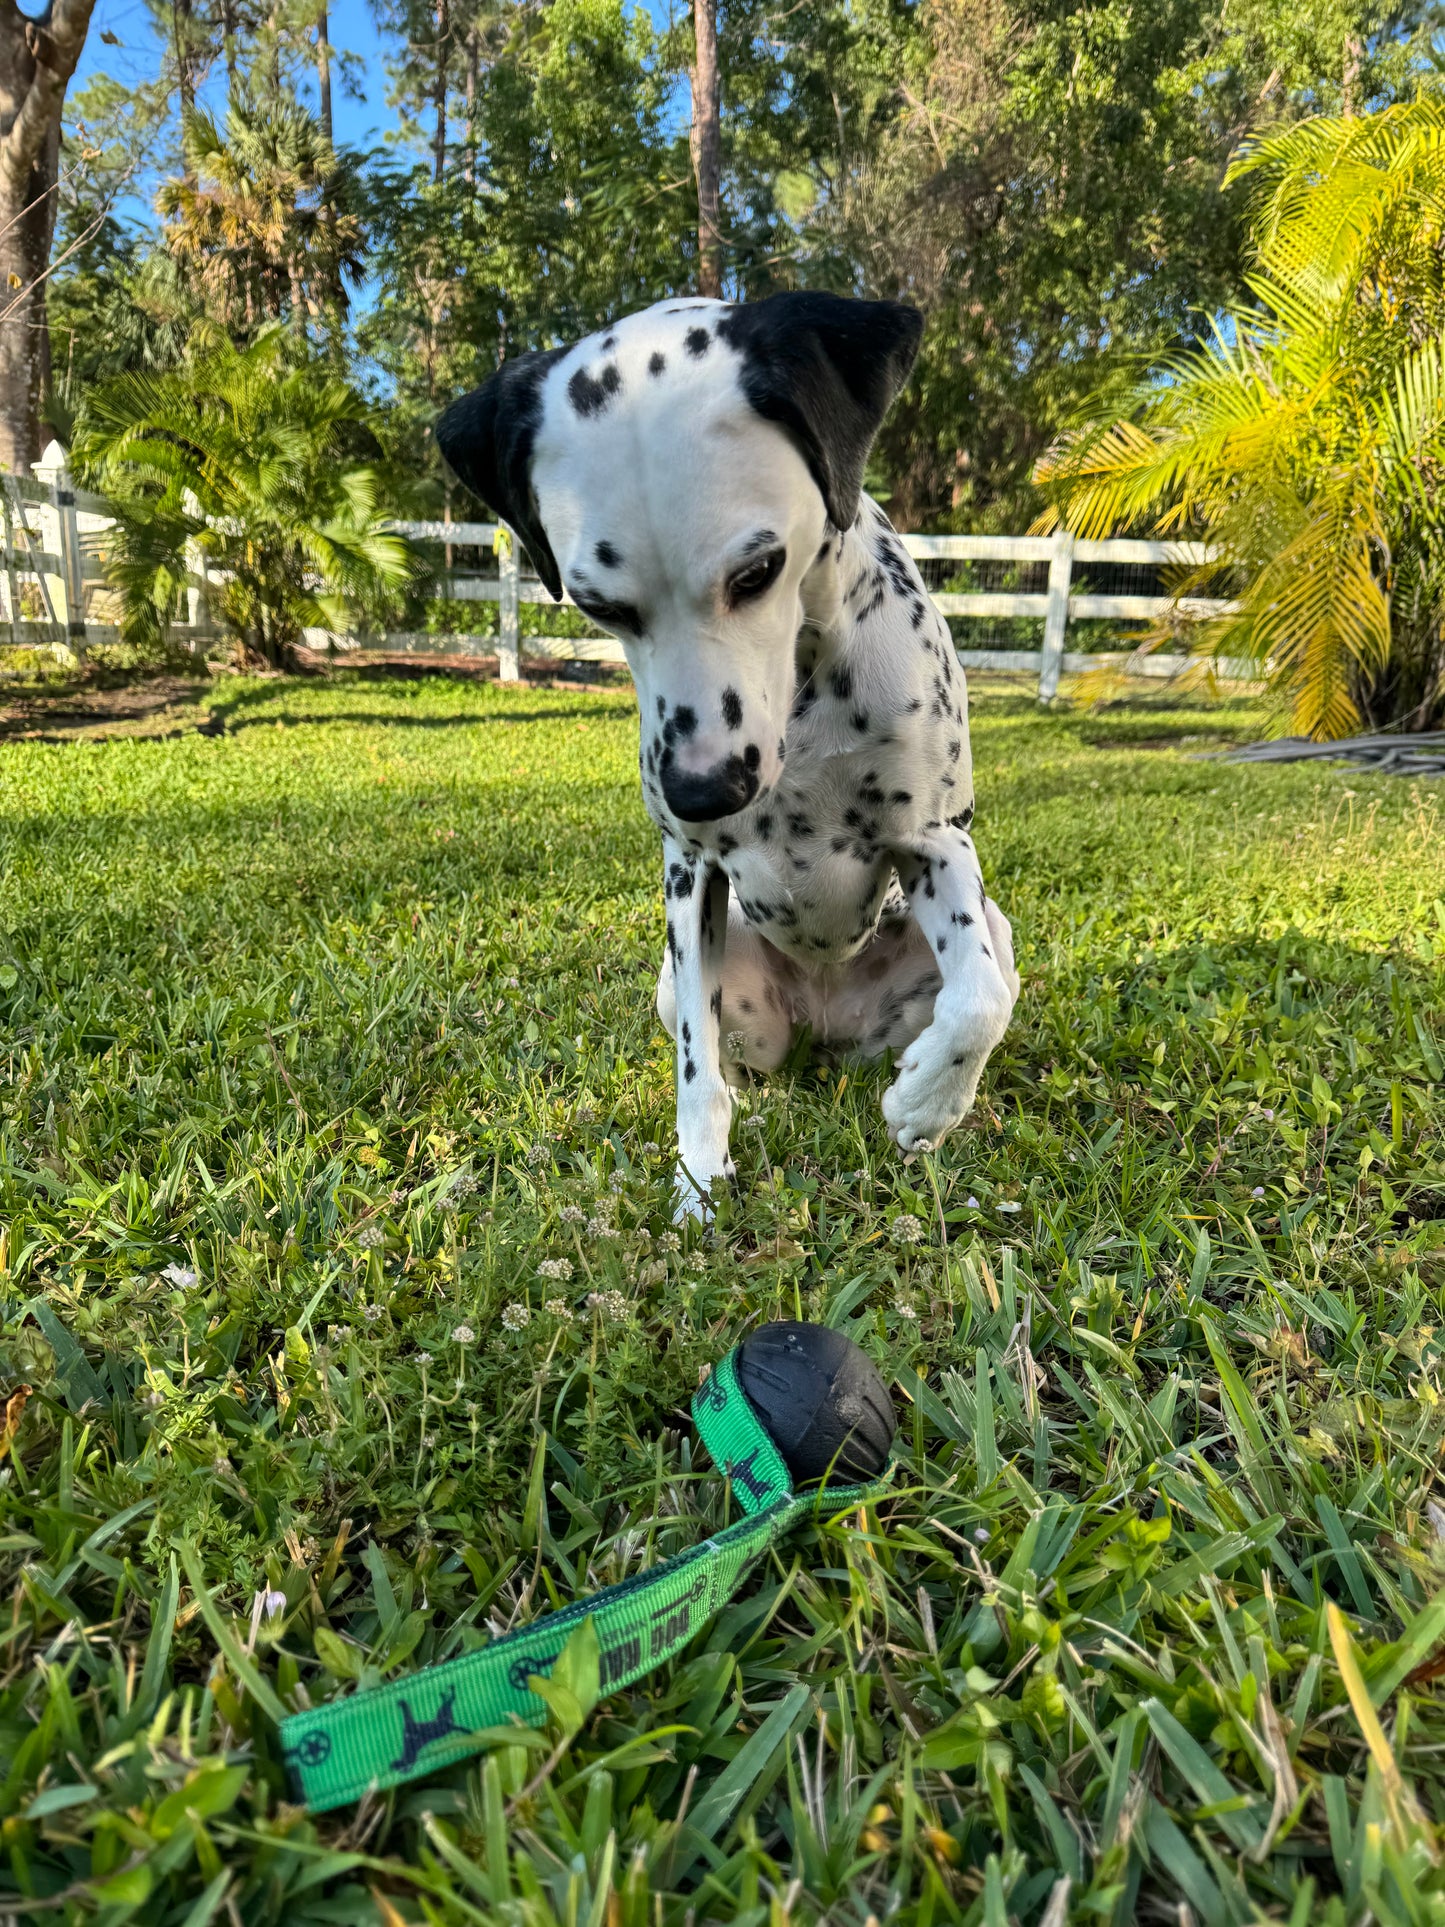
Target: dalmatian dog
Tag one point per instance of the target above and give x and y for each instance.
(693, 475)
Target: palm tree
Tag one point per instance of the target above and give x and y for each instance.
(266, 217)
(243, 454)
(1306, 444)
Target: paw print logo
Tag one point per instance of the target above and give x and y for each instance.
(314, 1748)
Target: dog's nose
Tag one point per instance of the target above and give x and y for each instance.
(702, 796)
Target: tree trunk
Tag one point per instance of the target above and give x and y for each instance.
(443, 19)
(37, 58)
(228, 46)
(473, 78)
(323, 71)
(706, 143)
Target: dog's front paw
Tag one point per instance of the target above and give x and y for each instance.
(693, 1196)
(931, 1093)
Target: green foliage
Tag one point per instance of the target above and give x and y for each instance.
(264, 220)
(239, 457)
(1307, 443)
(331, 1023)
(568, 215)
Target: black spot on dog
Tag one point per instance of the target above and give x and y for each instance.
(689, 1070)
(752, 757)
(686, 1032)
(661, 707)
(656, 364)
(745, 1006)
(901, 796)
(732, 708)
(859, 720)
(765, 827)
(607, 555)
(696, 341)
(841, 684)
(715, 1002)
(589, 394)
(963, 820)
(682, 880)
(684, 721)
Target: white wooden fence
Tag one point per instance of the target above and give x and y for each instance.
(54, 543)
(1056, 605)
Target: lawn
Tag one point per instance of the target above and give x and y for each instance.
(330, 1026)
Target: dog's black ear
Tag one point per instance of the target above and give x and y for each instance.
(487, 438)
(827, 370)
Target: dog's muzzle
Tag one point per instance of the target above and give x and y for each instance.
(703, 796)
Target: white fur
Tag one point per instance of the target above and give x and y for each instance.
(857, 900)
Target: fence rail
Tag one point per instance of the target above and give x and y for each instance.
(1056, 605)
(52, 566)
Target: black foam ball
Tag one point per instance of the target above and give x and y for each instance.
(821, 1399)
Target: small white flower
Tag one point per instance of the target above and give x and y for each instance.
(180, 1275)
(370, 1236)
(428, 1441)
(538, 1154)
(754, 1122)
(923, 1144)
(572, 1214)
(1010, 1207)
(515, 1318)
(907, 1311)
(617, 1182)
(371, 1313)
(512, 984)
(463, 1335)
(669, 1241)
(273, 1603)
(611, 1304)
(652, 1274)
(643, 1235)
(651, 1150)
(462, 1185)
(584, 1114)
(905, 1229)
(971, 1203)
(981, 1535)
(1258, 1191)
(697, 1261)
(559, 1308)
(600, 1228)
(423, 1358)
(559, 1269)
(737, 1042)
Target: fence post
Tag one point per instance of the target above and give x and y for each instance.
(12, 580)
(1056, 621)
(72, 562)
(509, 640)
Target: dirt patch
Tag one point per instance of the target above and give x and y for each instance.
(159, 706)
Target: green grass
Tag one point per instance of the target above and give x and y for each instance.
(347, 1013)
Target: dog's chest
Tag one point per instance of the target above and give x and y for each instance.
(811, 865)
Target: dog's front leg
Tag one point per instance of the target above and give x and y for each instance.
(972, 944)
(697, 919)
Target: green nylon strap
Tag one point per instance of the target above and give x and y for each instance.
(432, 1718)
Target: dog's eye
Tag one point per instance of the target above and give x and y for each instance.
(758, 577)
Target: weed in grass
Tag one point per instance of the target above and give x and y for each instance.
(334, 1166)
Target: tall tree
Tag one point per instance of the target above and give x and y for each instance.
(37, 59)
(323, 70)
(707, 148)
